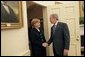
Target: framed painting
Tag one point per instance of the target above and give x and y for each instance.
(11, 15)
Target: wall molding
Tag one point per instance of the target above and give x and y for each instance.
(26, 53)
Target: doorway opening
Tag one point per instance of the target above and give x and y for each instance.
(35, 10)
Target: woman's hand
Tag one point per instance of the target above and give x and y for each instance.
(44, 44)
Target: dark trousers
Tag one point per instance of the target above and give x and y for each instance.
(38, 52)
(55, 53)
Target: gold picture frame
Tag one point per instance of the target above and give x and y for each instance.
(8, 20)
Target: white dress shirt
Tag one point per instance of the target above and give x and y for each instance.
(56, 24)
(6, 7)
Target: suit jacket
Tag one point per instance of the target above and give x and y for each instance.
(8, 17)
(61, 38)
(36, 39)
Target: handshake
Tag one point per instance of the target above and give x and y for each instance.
(44, 44)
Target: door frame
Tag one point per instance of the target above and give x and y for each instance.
(47, 29)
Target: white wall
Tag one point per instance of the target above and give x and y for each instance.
(45, 3)
(15, 42)
(65, 2)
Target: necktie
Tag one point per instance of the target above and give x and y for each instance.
(54, 26)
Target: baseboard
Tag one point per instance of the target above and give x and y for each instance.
(26, 53)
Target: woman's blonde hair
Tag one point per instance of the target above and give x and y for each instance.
(34, 21)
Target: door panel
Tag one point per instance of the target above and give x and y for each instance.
(68, 13)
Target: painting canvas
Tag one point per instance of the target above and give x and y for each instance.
(11, 14)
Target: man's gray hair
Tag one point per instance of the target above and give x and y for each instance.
(55, 16)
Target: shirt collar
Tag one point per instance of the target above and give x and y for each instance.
(2, 2)
(56, 23)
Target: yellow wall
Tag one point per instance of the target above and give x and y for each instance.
(15, 42)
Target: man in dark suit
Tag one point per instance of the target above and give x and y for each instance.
(59, 36)
(7, 13)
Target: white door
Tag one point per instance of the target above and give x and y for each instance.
(68, 13)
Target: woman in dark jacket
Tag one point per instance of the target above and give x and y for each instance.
(37, 39)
